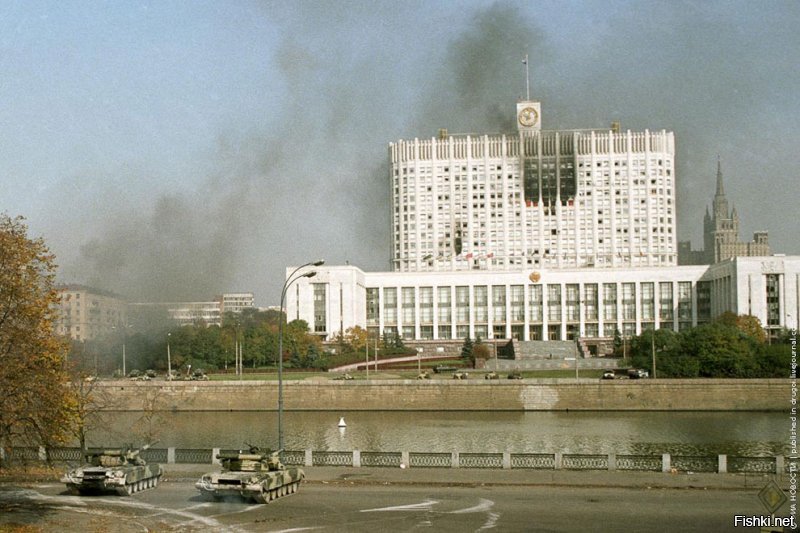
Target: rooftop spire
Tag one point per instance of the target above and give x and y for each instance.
(720, 188)
(720, 202)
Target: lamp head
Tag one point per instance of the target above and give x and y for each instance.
(318, 263)
(309, 274)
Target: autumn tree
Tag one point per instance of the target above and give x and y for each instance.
(36, 403)
(90, 406)
(747, 324)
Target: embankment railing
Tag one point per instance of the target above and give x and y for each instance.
(505, 460)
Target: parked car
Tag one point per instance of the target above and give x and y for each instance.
(608, 374)
(637, 373)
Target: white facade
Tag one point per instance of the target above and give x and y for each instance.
(194, 313)
(546, 304)
(533, 198)
(539, 235)
(236, 302)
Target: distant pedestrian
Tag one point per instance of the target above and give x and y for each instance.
(550, 356)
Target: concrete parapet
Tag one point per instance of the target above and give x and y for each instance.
(456, 395)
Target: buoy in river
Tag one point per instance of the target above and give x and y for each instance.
(342, 423)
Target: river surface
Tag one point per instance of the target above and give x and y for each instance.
(693, 433)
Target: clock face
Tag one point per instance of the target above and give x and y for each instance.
(528, 117)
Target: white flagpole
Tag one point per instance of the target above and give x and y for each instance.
(527, 79)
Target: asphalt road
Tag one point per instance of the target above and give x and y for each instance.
(341, 506)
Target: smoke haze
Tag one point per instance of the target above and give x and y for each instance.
(254, 138)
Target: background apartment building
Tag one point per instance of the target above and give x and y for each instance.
(85, 313)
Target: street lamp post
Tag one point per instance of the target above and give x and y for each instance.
(169, 359)
(289, 280)
(653, 349)
(124, 329)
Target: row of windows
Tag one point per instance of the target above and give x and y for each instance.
(508, 302)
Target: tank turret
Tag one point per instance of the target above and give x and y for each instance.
(252, 474)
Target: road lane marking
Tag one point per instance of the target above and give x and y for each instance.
(484, 505)
(426, 505)
(77, 504)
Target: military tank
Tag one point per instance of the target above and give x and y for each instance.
(121, 470)
(253, 475)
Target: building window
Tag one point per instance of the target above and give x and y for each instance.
(610, 302)
(390, 306)
(684, 305)
(481, 304)
(648, 301)
(426, 332)
(320, 314)
(408, 307)
(426, 305)
(629, 301)
(444, 302)
(517, 304)
(703, 301)
(373, 306)
(554, 304)
(665, 304)
(573, 303)
(773, 300)
(462, 307)
(499, 305)
(590, 301)
(535, 304)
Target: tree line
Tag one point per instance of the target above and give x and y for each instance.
(149, 337)
(729, 347)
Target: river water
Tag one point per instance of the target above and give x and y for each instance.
(647, 433)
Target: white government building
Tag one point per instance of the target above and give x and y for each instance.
(539, 235)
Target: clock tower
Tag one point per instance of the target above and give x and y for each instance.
(529, 117)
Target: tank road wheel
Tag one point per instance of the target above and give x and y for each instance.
(155, 480)
(129, 489)
(273, 494)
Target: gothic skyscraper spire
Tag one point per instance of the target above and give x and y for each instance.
(720, 202)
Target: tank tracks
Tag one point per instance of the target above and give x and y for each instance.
(273, 494)
(138, 486)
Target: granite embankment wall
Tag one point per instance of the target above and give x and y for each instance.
(437, 395)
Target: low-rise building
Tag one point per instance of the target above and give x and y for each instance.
(558, 304)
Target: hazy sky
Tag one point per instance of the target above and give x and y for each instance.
(176, 150)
